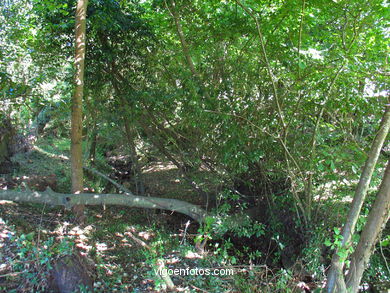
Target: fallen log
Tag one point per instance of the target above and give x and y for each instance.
(51, 197)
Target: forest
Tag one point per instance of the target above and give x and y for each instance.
(194, 146)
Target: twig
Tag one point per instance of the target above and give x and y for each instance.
(11, 274)
(193, 286)
(267, 63)
(185, 232)
(384, 257)
(40, 226)
(138, 241)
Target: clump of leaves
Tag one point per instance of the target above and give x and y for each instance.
(34, 259)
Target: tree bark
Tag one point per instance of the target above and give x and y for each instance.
(358, 200)
(71, 200)
(76, 131)
(376, 221)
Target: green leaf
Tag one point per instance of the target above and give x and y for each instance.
(30, 236)
(342, 254)
(332, 166)
(385, 242)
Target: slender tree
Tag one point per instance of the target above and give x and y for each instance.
(76, 131)
(376, 221)
(335, 280)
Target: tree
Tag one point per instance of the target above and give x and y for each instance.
(376, 221)
(77, 123)
(335, 273)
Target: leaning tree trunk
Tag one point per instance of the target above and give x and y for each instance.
(335, 272)
(76, 131)
(50, 197)
(376, 220)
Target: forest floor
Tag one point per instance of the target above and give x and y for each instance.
(107, 239)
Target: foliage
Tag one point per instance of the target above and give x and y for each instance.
(265, 106)
(34, 259)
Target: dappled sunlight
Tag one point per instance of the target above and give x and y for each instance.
(138, 137)
(330, 189)
(172, 259)
(164, 179)
(193, 255)
(159, 166)
(146, 235)
(100, 247)
(5, 232)
(7, 202)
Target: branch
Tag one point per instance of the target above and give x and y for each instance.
(119, 186)
(69, 200)
(183, 42)
(267, 63)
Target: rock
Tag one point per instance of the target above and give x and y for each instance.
(70, 273)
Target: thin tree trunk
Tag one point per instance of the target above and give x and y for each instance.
(76, 131)
(358, 200)
(183, 42)
(186, 52)
(376, 221)
(267, 64)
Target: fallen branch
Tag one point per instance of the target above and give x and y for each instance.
(69, 200)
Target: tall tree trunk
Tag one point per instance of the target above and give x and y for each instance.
(376, 221)
(335, 272)
(77, 123)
